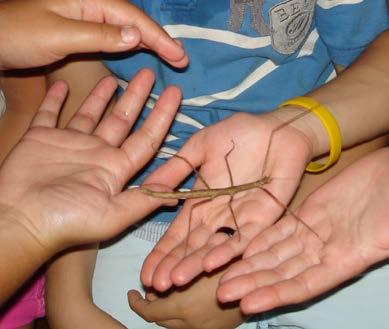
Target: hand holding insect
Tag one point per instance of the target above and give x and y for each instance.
(287, 264)
(181, 255)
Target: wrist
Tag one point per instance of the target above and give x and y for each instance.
(308, 126)
(21, 254)
(20, 229)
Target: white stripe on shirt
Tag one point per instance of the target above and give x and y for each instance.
(226, 37)
(309, 45)
(261, 72)
(328, 4)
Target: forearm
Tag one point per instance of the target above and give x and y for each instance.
(358, 99)
(21, 254)
(68, 284)
(68, 292)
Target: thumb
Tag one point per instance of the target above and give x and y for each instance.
(87, 37)
(133, 205)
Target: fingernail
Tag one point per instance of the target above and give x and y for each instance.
(129, 34)
(170, 49)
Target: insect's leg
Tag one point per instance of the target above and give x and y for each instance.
(291, 212)
(233, 216)
(232, 184)
(282, 125)
(197, 173)
(227, 163)
(190, 222)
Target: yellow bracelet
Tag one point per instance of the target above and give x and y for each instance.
(329, 123)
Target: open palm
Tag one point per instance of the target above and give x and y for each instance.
(179, 257)
(67, 183)
(349, 232)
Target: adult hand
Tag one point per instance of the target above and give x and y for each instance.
(288, 263)
(178, 258)
(65, 185)
(39, 32)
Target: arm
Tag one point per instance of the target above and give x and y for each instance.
(357, 99)
(68, 194)
(69, 292)
(69, 276)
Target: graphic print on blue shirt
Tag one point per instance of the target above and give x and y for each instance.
(249, 55)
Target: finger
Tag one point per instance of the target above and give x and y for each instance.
(288, 256)
(150, 311)
(161, 277)
(203, 219)
(195, 236)
(152, 35)
(238, 287)
(176, 169)
(47, 114)
(143, 143)
(192, 265)
(263, 269)
(281, 230)
(129, 207)
(305, 286)
(89, 114)
(267, 275)
(172, 324)
(174, 235)
(226, 251)
(151, 296)
(140, 305)
(258, 271)
(75, 36)
(248, 228)
(263, 261)
(115, 127)
(240, 268)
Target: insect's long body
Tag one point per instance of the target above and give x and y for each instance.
(208, 193)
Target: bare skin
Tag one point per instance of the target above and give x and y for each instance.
(34, 215)
(360, 87)
(286, 264)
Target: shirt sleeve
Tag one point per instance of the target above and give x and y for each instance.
(348, 26)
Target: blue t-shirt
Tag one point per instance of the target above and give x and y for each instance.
(249, 55)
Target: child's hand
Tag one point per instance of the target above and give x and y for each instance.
(192, 307)
(40, 32)
(289, 264)
(65, 185)
(255, 210)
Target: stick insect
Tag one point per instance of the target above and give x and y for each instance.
(211, 193)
